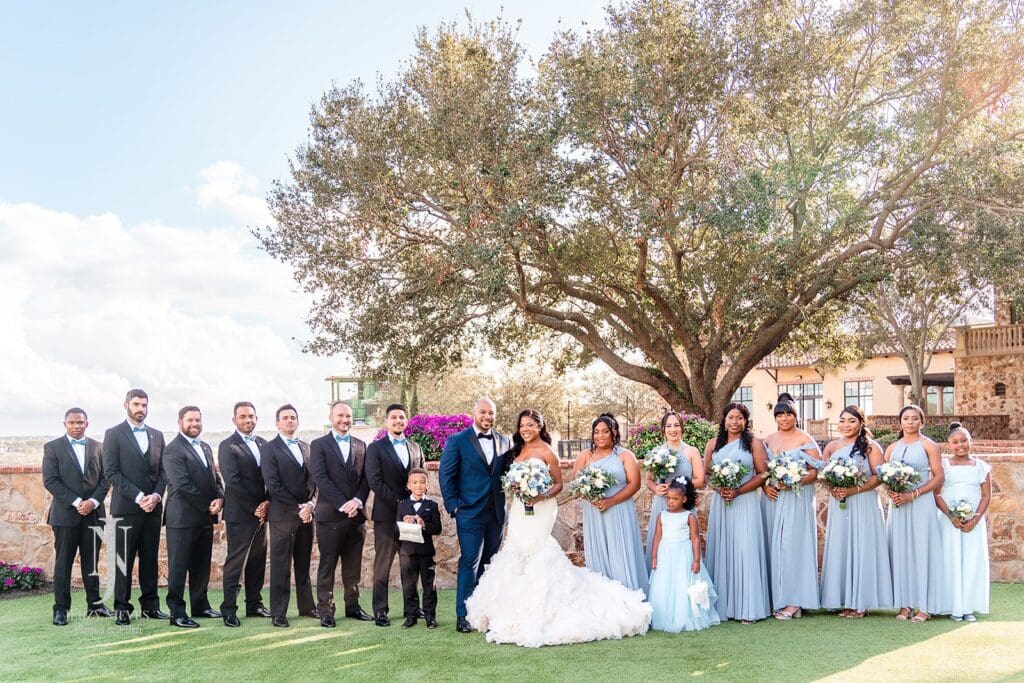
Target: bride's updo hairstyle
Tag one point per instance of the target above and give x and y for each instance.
(685, 486)
(609, 421)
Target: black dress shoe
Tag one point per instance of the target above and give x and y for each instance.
(409, 622)
(328, 622)
(124, 617)
(358, 614)
(431, 622)
(462, 626)
(232, 621)
(280, 622)
(208, 613)
(313, 614)
(100, 611)
(155, 614)
(382, 619)
(60, 617)
(184, 622)
(420, 614)
(258, 611)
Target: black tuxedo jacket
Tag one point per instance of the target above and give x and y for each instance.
(431, 516)
(65, 480)
(130, 471)
(191, 486)
(288, 484)
(337, 483)
(387, 477)
(244, 488)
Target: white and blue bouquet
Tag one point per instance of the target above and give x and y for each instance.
(843, 473)
(728, 474)
(660, 463)
(526, 481)
(591, 483)
(786, 470)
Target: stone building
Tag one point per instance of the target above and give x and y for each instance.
(989, 367)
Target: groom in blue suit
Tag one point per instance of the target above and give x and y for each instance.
(470, 477)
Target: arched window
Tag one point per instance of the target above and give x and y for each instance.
(1000, 389)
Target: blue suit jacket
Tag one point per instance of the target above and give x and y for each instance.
(468, 484)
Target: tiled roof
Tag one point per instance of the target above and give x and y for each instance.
(783, 360)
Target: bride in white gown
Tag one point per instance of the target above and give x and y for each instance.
(531, 594)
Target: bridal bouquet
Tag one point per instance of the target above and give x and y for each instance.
(898, 477)
(787, 470)
(660, 463)
(961, 510)
(526, 481)
(728, 474)
(591, 483)
(843, 473)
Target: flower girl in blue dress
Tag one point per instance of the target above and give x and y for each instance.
(681, 592)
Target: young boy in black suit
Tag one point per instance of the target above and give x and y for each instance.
(417, 559)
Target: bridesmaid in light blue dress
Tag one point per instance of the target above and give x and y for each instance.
(855, 571)
(688, 464)
(737, 558)
(792, 529)
(611, 529)
(678, 568)
(915, 544)
(965, 542)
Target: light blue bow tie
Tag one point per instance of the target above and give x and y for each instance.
(291, 442)
(78, 442)
(342, 439)
(195, 442)
(248, 439)
(139, 429)
(398, 442)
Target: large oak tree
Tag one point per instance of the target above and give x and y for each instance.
(675, 193)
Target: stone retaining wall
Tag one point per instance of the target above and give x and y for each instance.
(26, 538)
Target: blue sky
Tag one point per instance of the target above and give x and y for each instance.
(117, 105)
(137, 143)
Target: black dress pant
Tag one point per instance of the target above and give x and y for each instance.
(247, 555)
(421, 568)
(80, 540)
(339, 541)
(385, 547)
(291, 543)
(137, 536)
(189, 551)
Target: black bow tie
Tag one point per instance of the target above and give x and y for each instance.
(485, 436)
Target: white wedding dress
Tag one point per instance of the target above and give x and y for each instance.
(532, 595)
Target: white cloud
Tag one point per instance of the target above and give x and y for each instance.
(229, 186)
(93, 307)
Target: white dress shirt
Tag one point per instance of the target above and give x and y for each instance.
(141, 438)
(79, 450)
(294, 448)
(197, 447)
(254, 447)
(344, 445)
(402, 449)
(487, 445)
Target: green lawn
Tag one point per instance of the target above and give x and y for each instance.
(817, 646)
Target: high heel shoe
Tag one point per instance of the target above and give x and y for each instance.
(783, 615)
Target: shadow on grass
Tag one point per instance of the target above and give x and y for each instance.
(817, 646)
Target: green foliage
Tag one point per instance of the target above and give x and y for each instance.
(673, 193)
(887, 435)
(20, 577)
(696, 432)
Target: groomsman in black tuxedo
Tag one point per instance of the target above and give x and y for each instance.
(132, 454)
(336, 463)
(73, 474)
(388, 461)
(285, 465)
(195, 498)
(245, 515)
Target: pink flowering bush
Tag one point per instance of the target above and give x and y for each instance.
(432, 431)
(19, 577)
